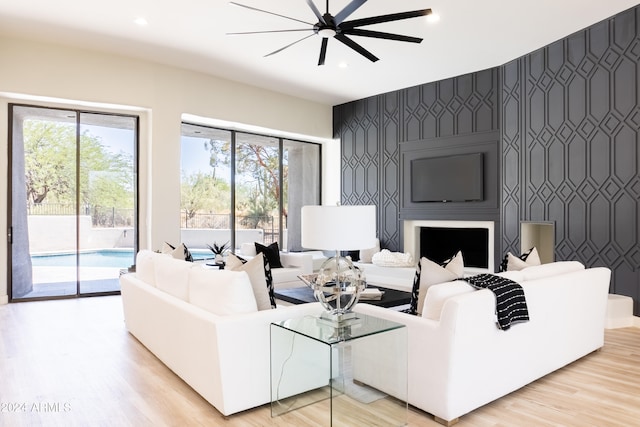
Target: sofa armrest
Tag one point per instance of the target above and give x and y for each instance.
(299, 260)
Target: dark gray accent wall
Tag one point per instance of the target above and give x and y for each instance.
(374, 133)
(567, 118)
(570, 147)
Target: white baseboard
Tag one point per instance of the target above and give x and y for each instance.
(4, 299)
(636, 321)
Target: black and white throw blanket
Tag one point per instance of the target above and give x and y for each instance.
(511, 305)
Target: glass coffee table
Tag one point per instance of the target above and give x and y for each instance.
(315, 366)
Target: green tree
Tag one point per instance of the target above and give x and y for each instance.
(106, 179)
(257, 165)
(201, 192)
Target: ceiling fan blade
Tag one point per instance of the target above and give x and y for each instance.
(348, 10)
(384, 18)
(269, 31)
(270, 13)
(289, 45)
(323, 51)
(316, 11)
(380, 35)
(355, 46)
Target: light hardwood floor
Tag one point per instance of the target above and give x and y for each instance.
(72, 363)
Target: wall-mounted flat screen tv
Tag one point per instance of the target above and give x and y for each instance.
(458, 178)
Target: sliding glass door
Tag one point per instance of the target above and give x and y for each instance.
(242, 187)
(73, 201)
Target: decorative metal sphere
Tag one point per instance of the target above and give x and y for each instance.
(338, 285)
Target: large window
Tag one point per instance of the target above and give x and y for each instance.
(72, 198)
(240, 187)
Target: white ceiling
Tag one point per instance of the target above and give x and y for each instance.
(471, 35)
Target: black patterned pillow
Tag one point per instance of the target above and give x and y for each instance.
(271, 253)
(413, 308)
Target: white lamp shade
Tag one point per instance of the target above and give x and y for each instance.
(338, 228)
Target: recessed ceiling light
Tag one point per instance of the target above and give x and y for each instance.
(433, 18)
(141, 22)
(343, 65)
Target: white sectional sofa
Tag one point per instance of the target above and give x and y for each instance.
(204, 325)
(458, 358)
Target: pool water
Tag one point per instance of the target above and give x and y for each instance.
(99, 258)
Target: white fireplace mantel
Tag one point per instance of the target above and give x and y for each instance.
(412, 237)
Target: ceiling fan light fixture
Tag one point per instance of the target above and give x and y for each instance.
(327, 32)
(432, 18)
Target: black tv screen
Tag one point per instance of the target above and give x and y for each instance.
(457, 178)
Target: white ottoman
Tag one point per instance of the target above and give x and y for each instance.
(619, 312)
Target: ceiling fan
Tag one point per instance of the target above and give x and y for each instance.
(329, 25)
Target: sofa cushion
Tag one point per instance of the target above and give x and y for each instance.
(438, 294)
(272, 252)
(551, 269)
(248, 249)
(221, 292)
(145, 269)
(172, 276)
(366, 255)
(429, 273)
(258, 269)
(515, 275)
(512, 262)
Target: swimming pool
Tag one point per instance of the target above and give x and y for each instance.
(116, 258)
(99, 258)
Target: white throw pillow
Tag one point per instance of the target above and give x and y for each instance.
(178, 252)
(221, 292)
(432, 273)
(515, 263)
(366, 255)
(255, 269)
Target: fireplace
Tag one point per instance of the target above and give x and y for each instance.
(439, 240)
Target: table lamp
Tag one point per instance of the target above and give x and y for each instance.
(339, 228)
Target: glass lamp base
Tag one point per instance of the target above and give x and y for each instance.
(338, 286)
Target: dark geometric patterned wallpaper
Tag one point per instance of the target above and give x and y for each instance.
(569, 122)
(372, 129)
(571, 117)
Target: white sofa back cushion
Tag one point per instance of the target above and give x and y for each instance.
(145, 269)
(551, 269)
(438, 294)
(172, 276)
(515, 275)
(248, 249)
(221, 292)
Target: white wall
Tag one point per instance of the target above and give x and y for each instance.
(32, 71)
